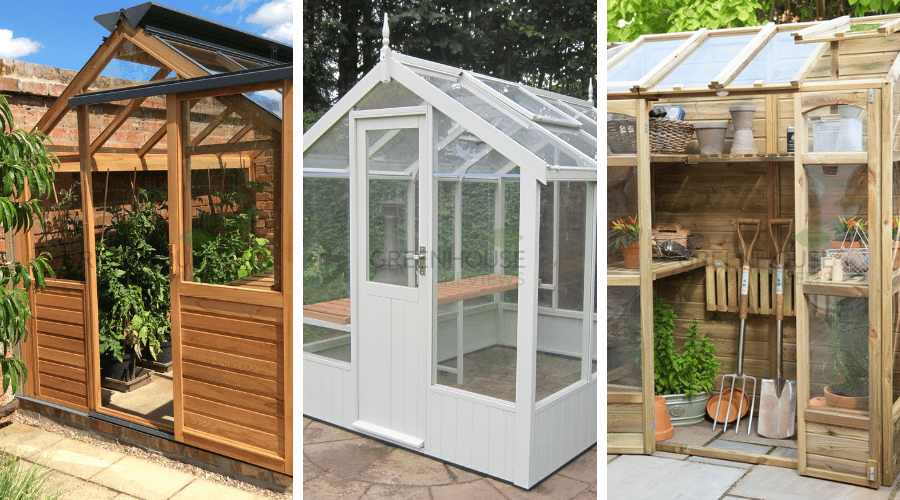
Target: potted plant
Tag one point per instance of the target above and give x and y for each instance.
(848, 232)
(684, 378)
(846, 371)
(626, 235)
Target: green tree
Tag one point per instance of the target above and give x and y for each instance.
(24, 163)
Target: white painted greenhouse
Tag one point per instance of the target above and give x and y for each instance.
(450, 268)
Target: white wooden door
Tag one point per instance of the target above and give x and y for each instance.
(392, 319)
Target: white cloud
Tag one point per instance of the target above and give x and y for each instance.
(14, 48)
(240, 5)
(278, 17)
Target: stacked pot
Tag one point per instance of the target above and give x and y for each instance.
(711, 135)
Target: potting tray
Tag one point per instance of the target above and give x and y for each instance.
(156, 366)
(122, 386)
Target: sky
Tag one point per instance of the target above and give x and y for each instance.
(63, 33)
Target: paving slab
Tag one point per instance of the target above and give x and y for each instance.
(587, 495)
(310, 470)
(306, 421)
(666, 454)
(724, 444)
(143, 479)
(395, 492)
(554, 487)
(609, 458)
(693, 435)
(25, 441)
(583, 468)
(784, 452)
(475, 490)
(346, 458)
(332, 487)
(201, 488)
(123, 496)
(724, 463)
(404, 467)
(653, 478)
(757, 439)
(462, 476)
(78, 459)
(317, 432)
(765, 482)
(73, 488)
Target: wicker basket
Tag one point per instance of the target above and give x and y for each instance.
(621, 136)
(671, 242)
(669, 136)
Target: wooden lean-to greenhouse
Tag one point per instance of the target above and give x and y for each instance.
(170, 228)
(449, 268)
(799, 164)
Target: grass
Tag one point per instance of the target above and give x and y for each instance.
(20, 480)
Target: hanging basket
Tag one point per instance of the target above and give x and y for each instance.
(669, 136)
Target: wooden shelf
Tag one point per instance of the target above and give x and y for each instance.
(618, 275)
(696, 158)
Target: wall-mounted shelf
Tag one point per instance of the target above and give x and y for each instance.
(618, 275)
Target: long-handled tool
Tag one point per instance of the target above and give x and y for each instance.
(778, 397)
(744, 310)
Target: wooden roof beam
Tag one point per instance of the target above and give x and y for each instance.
(890, 27)
(214, 124)
(82, 80)
(671, 61)
(808, 65)
(734, 68)
(154, 139)
(238, 136)
(894, 72)
(124, 114)
(188, 69)
(824, 28)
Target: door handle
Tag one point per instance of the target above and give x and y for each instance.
(420, 257)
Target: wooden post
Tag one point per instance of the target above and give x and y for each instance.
(287, 268)
(879, 277)
(646, 274)
(885, 290)
(801, 275)
(91, 321)
(176, 250)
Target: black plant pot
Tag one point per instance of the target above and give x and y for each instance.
(110, 367)
(164, 356)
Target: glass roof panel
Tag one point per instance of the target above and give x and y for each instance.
(777, 61)
(461, 152)
(332, 149)
(535, 140)
(592, 112)
(270, 100)
(518, 96)
(706, 62)
(575, 138)
(640, 62)
(588, 125)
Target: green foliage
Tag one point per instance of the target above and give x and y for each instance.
(847, 325)
(623, 233)
(24, 160)
(133, 278)
(669, 16)
(847, 228)
(224, 246)
(70, 227)
(864, 7)
(689, 371)
(20, 480)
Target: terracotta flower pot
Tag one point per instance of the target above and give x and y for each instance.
(846, 244)
(742, 118)
(723, 408)
(849, 402)
(663, 426)
(711, 137)
(632, 255)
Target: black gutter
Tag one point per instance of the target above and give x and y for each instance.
(247, 77)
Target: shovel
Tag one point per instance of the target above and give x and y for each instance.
(778, 397)
(744, 310)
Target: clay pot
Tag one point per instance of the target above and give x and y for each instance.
(632, 255)
(849, 402)
(723, 408)
(742, 117)
(663, 426)
(711, 137)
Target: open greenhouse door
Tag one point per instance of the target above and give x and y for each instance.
(230, 234)
(393, 279)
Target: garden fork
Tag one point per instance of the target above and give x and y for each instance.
(744, 309)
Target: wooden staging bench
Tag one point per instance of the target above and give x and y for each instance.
(618, 275)
(338, 311)
(260, 281)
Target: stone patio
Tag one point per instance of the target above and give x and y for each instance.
(341, 464)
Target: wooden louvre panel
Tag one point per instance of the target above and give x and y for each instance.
(60, 336)
(233, 357)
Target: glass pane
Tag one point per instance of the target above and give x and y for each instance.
(838, 250)
(777, 62)
(518, 96)
(234, 223)
(388, 95)
(62, 234)
(478, 250)
(621, 134)
(623, 339)
(588, 125)
(839, 352)
(332, 149)
(591, 112)
(621, 203)
(587, 145)
(572, 237)
(392, 221)
(546, 261)
(326, 265)
(705, 63)
(840, 127)
(640, 62)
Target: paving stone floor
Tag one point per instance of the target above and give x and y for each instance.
(338, 464)
(152, 401)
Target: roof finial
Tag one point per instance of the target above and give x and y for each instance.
(385, 38)
(591, 90)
